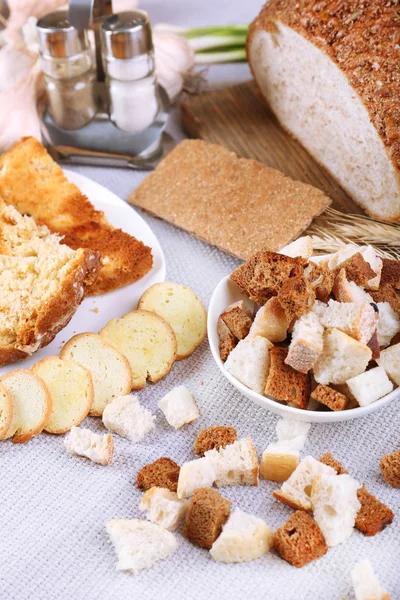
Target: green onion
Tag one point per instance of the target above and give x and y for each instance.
(218, 44)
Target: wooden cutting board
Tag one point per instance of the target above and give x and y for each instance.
(238, 117)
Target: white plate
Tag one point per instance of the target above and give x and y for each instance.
(225, 294)
(96, 311)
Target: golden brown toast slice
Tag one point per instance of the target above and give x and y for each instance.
(42, 284)
(32, 182)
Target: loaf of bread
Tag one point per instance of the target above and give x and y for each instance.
(327, 71)
(42, 284)
(34, 184)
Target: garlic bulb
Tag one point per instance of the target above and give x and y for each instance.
(173, 58)
(18, 115)
(20, 10)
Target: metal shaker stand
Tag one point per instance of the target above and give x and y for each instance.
(100, 142)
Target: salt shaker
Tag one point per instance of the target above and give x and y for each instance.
(69, 76)
(128, 59)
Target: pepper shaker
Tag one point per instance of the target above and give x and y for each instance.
(128, 59)
(68, 71)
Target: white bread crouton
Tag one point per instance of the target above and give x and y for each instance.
(243, 538)
(303, 247)
(110, 370)
(388, 324)
(335, 506)
(357, 320)
(343, 357)
(368, 254)
(369, 386)
(139, 544)
(366, 584)
(95, 447)
(195, 474)
(128, 418)
(287, 429)
(348, 291)
(163, 507)
(270, 322)
(279, 460)
(306, 344)
(236, 464)
(179, 407)
(390, 361)
(296, 491)
(249, 362)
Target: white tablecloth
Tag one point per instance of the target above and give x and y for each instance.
(53, 543)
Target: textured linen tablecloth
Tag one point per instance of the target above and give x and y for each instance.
(53, 507)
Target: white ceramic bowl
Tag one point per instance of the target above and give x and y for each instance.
(225, 294)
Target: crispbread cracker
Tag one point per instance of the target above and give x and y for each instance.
(234, 203)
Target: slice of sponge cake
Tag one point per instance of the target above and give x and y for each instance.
(35, 185)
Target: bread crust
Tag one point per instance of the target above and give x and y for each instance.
(25, 436)
(289, 500)
(85, 407)
(6, 411)
(356, 37)
(36, 185)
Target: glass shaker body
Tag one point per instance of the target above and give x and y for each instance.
(70, 84)
(132, 91)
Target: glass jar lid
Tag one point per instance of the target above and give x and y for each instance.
(57, 37)
(126, 35)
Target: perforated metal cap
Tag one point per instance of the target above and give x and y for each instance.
(126, 35)
(57, 37)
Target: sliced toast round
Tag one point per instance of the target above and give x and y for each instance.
(110, 370)
(31, 404)
(181, 308)
(71, 389)
(147, 341)
(6, 411)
